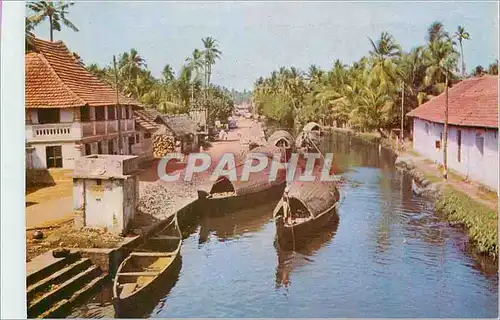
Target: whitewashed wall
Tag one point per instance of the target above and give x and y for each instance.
(69, 154)
(476, 166)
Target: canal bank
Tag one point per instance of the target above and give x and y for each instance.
(464, 204)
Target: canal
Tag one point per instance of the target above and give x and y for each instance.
(386, 254)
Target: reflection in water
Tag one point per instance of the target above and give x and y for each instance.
(233, 225)
(289, 260)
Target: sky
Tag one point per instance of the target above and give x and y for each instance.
(258, 37)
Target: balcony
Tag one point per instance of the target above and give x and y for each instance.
(71, 131)
(98, 128)
(53, 131)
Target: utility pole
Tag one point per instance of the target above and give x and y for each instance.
(401, 134)
(120, 139)
(445, 131)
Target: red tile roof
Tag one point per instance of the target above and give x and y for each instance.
(55, 79)
(472, 102)
(146, 119)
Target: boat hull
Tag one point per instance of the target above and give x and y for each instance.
(214, 206)
(143, 301)
(300, 233)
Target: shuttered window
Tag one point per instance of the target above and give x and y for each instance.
(54, 156)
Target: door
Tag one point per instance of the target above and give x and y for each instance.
(131, 141)
(87, 149)
(99, 147)
(459, 145)
(54, 156)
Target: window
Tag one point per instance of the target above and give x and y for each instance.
(147, 135)
(99, 148)
(137, 140)
(111, 113)
(54, 156)
(50, 115)
(111, 147)
(85, 114)
(127, 112)
(99, 114)
(459, 145)
(480, 144)
(87, 149)
(426, 128)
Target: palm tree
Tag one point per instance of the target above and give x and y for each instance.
(130, 65)
(462, 35)
(383, 52)
(211, 53)
(195, 63)
(55, 12)
(493, 68)
(442, 61)
(167, 73)
(436, 32)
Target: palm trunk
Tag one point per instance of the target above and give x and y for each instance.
(462, 56)
(51, 30)
(445, 132)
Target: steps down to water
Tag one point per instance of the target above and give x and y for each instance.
(60, 284)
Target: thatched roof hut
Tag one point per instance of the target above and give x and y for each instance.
(312, 126)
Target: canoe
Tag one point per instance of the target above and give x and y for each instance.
(146, 268)
(305, 207)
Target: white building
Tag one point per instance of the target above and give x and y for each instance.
(473, 129)
(69, 111)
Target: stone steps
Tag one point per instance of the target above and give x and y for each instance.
(53, 289)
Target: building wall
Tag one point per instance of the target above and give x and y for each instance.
(481, 167)
(69, 154)
(103, 204)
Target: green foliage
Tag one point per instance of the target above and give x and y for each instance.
(480, 221)
(366, 95)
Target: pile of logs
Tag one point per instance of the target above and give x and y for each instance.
(162, 144)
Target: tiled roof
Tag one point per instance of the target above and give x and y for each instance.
(55, 79)
(472, 102)
(146, 119)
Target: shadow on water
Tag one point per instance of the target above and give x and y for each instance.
(305, 248)
(235, 224)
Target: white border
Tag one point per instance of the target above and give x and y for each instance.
(12, 202)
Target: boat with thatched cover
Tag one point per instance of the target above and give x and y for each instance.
(308, 141)
(224, 195)
(146, 269)
(282, 139)
(304, 207)
(313, 127)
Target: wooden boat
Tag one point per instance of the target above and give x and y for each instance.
(225, 195)
(305, 207)
(308, 141)
(147, 268)
(282, 139)
(313, 127)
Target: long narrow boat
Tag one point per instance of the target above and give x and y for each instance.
(305, 207)
(282, 139)
(225, 195)
(146, 269)
(308, 141)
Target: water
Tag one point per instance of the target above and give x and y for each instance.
(387, 254)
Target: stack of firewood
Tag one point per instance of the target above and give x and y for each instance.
(162, 144)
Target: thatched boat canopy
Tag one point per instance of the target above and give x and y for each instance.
(281, 138)
(316, 196)
(312, 126)
(306, 137)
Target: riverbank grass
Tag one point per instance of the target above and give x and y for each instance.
(480, 221)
